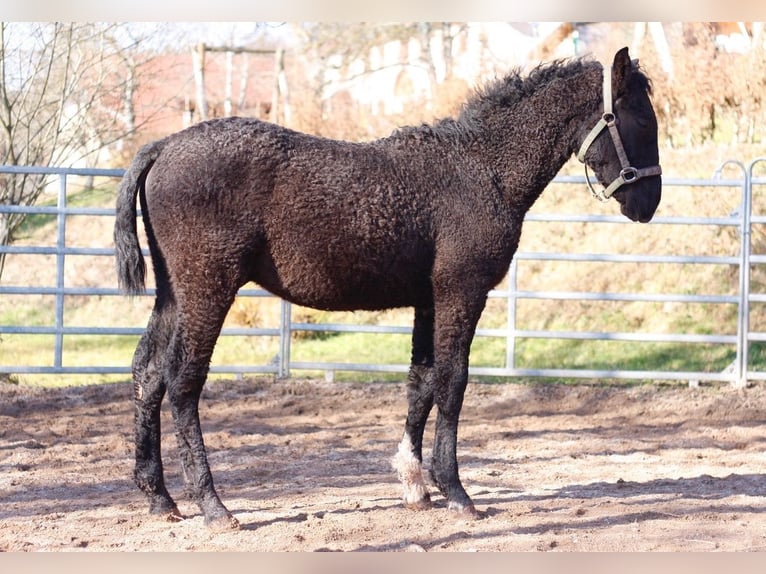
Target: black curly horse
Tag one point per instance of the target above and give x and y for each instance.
(429, 218)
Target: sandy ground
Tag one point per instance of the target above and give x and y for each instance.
(305, 466)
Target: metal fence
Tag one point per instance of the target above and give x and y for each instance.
(290, 327)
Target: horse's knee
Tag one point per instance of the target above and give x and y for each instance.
(420, 394)
(148, 378)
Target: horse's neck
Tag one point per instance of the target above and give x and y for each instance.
(531, 143)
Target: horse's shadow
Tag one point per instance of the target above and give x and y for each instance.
(385, 504)
(703, 487)
(637, 494)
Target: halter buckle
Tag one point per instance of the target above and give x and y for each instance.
(629, 174)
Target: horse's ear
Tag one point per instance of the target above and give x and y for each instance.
(621, 70)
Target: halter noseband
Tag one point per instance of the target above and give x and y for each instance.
(628, 174)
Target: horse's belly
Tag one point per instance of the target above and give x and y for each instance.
(345, 286)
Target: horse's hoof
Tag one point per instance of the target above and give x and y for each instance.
(223, 523)
(175, 516)
(463, 510)
(164, 507)
(422, 504)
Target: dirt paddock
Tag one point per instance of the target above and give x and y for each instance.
(305, 466)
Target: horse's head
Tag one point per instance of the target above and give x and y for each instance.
(622, 147)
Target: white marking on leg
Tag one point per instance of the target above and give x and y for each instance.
(410, 473)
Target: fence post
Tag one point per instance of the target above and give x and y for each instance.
(60, 261)
(746, 321)
(739, 378)
(510, 341)
(747, 208)
(285, 332)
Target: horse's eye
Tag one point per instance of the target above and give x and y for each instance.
(642, 121)
(630, 109)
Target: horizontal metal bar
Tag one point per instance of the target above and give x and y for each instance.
(617, 336)
(521, 372)
(47, 170)
(567, 179)
(380, 329)
(666, 181)
(350, 328)
(496, 294)
(601, 374)
(603, 296)
(125, 331)
(106, 370)
(104, 291)
(521, 255)
(54, 210)
(587, 218)
(35, 250)
(327, 366)
(242, 369)
(250, 332)
(52, 330)
(618, 258)
(79, 370)
(84, 291)
(535, 217)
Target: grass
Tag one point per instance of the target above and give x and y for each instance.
(624, 355)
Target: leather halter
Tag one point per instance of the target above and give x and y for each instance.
(628, 174)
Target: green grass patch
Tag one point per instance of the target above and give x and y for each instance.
(245, 350)
(17, 350)
(757, 356)
(29, 310)
(380, 348)
(622, 355)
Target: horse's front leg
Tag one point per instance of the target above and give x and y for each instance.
(408, 461)
(456, 321)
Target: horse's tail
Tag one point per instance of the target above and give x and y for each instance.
(131, 268)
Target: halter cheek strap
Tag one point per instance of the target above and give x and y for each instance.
(628, 174)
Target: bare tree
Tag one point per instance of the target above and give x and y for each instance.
(330, 50)
(66, 93)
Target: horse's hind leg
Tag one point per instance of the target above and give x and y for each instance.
(409, 458)
(149, 389)
(200, 318)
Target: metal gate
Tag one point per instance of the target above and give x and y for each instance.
(290, 326)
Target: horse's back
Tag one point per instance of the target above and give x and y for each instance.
(325, 223)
